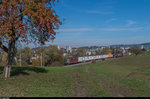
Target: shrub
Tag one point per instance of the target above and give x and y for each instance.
(36, 62)
(57, 63)
(135, 50)
(93, 61)
(4, 59)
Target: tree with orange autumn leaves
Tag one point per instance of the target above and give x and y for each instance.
(25, 21)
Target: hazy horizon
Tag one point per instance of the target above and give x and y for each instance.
(35, 46)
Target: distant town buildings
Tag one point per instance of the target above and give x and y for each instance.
(64, 54)
(58, 47)
(69, 49)
(102, 47)
(142, 46)
(89, 53)
(127, 48)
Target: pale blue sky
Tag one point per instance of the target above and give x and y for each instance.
(103, 22)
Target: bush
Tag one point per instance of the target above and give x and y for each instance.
(93, 61)
(57, 63)
(17, 64)
(4, 59)
(136, 50)
(24, 63)
(36, 62)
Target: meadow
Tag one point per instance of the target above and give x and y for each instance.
(121, 77)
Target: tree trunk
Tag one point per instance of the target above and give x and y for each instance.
(10, 58)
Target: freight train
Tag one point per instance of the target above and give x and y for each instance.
(90, 58)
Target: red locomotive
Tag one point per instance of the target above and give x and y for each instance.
(71, 61)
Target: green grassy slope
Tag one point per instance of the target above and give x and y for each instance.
(122, 77)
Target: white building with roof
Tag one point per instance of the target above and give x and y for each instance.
(69, 49)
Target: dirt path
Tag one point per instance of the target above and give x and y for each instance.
(114, 87)
(132, 74)
(117, 90)
(80, 91)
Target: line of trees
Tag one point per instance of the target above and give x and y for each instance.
(51, 56)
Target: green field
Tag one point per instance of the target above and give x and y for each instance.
(122, 77)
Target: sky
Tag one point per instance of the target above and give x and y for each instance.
(102, 22)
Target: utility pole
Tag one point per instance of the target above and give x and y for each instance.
(20, 60)
(41, 58)
(41, 55)
(41, 49)
(20, 55)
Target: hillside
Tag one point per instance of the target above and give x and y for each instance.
(122, 77)
(146, 45)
